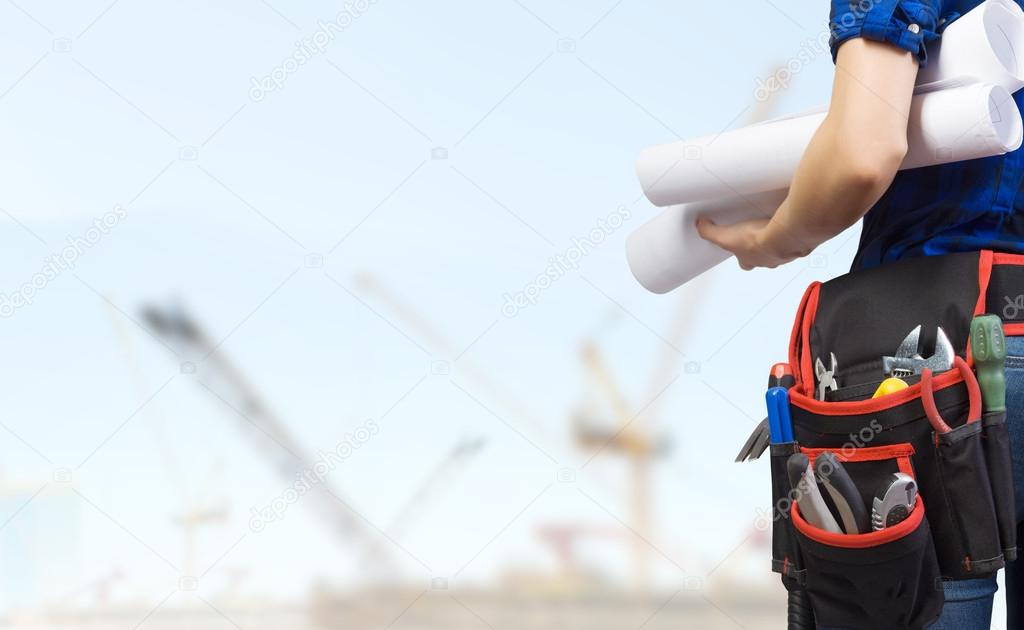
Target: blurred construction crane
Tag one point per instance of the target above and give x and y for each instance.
(564, 537)
(629, 434)
(196, 512)
(438, 479)
(195, 515)
(624, 436)
(633, 431)
(592, 436)
(444, 346)
(220, 377)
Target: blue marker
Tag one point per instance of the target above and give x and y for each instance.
(780, 424)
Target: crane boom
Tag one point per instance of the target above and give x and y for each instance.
(222, 379)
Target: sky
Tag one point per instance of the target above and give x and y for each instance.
(345, 195)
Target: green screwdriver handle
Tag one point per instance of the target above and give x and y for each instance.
(988, 347)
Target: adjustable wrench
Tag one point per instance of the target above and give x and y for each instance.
(908, 360)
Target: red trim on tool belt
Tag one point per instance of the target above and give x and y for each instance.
(900, 452)
(795, 340)
(1007, 259)
(872, 405)
(864, 454)
(803, 362)
(860, 541)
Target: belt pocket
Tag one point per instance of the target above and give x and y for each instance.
(967, 489)
(996, 440)
(963, 473)
(785, 553)
(881, 580)
(887, 578)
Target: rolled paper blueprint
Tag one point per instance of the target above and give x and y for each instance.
(961, 123)
(964, 123)
(985, 45)
(666, 252)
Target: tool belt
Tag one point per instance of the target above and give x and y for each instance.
(963, 524)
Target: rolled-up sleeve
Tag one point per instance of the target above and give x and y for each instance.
(906, 24)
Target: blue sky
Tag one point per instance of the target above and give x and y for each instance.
(260, 216)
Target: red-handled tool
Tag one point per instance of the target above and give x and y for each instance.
(781, 375)
(928, 396)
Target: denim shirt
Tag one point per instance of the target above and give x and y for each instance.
(965, 206)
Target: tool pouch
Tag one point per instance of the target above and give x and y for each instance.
(962, 468)
(785, 553)
(880, 580)
(996, 443)
(967, 488)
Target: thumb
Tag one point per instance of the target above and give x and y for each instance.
(709, 231)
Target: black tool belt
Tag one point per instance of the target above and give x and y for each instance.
(963, 523)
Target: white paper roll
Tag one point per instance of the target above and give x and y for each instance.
(666, 252)
(964, 123)
(985, 45)
(962, 110)
(960, 123)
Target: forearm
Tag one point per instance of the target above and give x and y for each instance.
(847, 167)
(855, 154)
(832, 189)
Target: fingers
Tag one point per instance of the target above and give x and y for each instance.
(739, 239)
(711, 232)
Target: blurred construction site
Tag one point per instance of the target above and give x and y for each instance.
(322, 320)
(571, 590)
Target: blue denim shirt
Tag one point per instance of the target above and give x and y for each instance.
(964, 206)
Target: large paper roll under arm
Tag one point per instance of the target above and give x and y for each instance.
(666, 252)
(963, 123)
(985, 45)
(962, 110)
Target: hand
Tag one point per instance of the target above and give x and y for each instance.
(749, 241)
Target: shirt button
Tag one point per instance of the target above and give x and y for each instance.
(914, 28)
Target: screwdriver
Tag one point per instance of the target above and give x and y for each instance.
(780, 379)
(988, 346)
(780, 424)
(781, 375)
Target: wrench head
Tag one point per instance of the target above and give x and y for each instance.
(942, 359)
(910, 347)
(908, 360)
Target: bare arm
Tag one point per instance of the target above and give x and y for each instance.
(848, 165)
